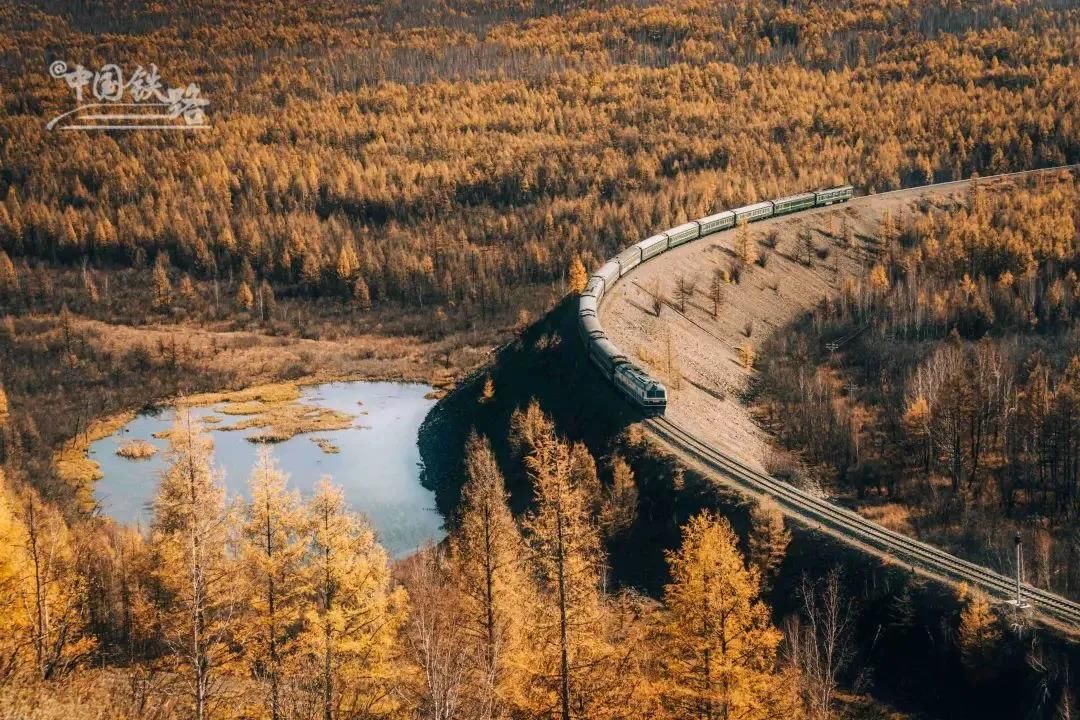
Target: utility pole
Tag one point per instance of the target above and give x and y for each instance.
(1019, 601)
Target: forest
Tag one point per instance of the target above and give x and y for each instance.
(278, 607)
(953, 413)
(387, 180)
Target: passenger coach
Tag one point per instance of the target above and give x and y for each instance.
(647, 393)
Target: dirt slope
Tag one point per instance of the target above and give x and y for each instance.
(697, 355)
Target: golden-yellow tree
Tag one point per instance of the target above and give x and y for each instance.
(52, 591)
(272, 548)
(578, 277)
(979, 635)
(720, 658)
(190, 535)
(353, 614)
(489, 562)
(162, 286)
(572, 673)
(744, 246)
(244, 297)
(769, 538)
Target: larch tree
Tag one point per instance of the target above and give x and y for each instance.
(720, 660)
(272, 548)
(191, 532)
(244, 297)
(768, 538)
(489, 561)
(52, 590)
(570, 626)
(979, 635)
(162, 286)
(361, 293)
(578, 277)
(353, 611)
(9, 278)
(744, 246)
(15, 632)
(619, 508)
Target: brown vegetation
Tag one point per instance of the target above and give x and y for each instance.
(136, 450)
(953, 390)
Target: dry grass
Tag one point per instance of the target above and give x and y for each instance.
(326, 445)
(268, 393)
(73, 466)
(893, 516)
(283, 421)
(136, 450)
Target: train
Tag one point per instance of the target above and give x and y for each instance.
(643, 391)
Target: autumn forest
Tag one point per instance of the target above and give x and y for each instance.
(389, 189)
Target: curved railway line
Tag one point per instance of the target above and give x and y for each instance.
(846, 524)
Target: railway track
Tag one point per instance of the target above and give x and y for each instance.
(851, 527)
(848, 525)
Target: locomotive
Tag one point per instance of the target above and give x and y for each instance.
(646, 393)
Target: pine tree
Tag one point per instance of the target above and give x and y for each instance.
(578, 277)
(721, 647)
(354, 613)
(272, 548)
(488, 558)
(191, 530)
(768, 538)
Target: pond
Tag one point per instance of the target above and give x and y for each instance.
(375, 459)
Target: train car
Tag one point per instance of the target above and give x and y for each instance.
(606, 356)
(683, 233)
(752, 213)
(590, 328)
(595, 288)
(716, 223)
(608, 274)
(628, 259)
(587, 305)
(833, 195)
(652, 246)
(794, 203)
(648, 394)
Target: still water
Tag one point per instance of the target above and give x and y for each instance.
(378, 465)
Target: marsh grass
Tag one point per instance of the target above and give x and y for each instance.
(136, 450)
